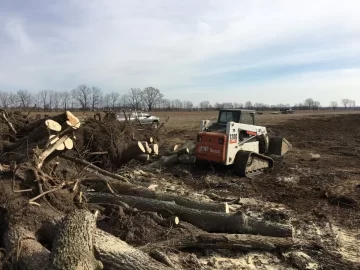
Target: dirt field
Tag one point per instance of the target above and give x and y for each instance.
(320, 199)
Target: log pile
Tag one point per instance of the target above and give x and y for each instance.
(43, 151)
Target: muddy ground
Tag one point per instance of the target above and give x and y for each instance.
(319, 198)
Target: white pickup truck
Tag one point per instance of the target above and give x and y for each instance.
(144, 118)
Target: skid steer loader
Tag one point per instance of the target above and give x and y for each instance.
(234, 139)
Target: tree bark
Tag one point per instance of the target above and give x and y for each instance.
(138, 191)
(173, 159)
(117, 255)
(114, 253)
(132, 151)
(186, 159)
(206, 220)
(142, 157)
(73, 245)
(31, 254)
(243, 242)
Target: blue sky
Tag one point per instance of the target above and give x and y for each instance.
(265, 51)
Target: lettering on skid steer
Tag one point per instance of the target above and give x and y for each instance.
(216, 151)
(233, 138)
(203, 148)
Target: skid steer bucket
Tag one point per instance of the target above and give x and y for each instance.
(279, 146)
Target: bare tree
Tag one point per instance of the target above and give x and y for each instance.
(204, 104)
(113, 98)
(151, 97)
(316, 105)
(309, 102)
(176, 104)
(56, 99)
(24, 98)
(134, 98)
(165, 104)
(345, 102)
(248, 105)
(124, 102)
(43, 98)
(228, 105)
(82, 95)
(65, 99)
(4, 99)
(238, 105)
(333, 104)
(13, 100)
(352, 104)
(188, 105)
(96, 97)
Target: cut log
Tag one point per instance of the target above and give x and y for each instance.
(206, 220)
(73, 244)
(183, 151)
(138, 191)
(146, 146)
(186, 159)
(111, 251)
(173, 159)
(60, 118)
(302, 260)
(116, 254)
(31, 254)
(243, 242)
(133, 150)
(142, 157)
(176, 146)
(155, 148)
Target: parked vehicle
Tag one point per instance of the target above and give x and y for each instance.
(287, 111)
(143, 117)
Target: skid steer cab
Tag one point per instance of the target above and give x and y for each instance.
(234, 139)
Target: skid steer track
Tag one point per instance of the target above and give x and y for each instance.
(249, 164)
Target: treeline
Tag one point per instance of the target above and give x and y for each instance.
(149, 98)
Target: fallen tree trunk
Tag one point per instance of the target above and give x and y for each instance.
(31, 255)
(73, 245)
(243, 242)
(206, 220)
(173, 159)
(186, 159)
(142, 157)
(117, 255)
(138, 191)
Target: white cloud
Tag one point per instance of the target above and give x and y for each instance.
(121, 44)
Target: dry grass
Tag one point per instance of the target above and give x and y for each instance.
(191, 120)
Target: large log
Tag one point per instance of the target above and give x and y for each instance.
(114, 253)
(31, 254)
(133, 150)
(117, 255)
(206, 220)
(243, 242)
(138, 191)
(73, 246)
